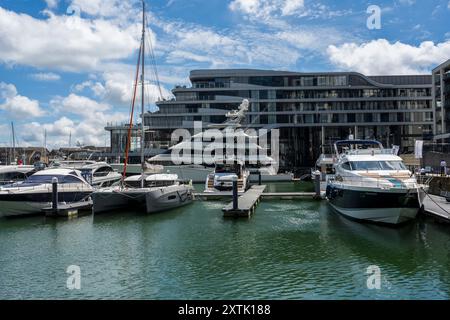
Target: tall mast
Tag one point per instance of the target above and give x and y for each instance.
(142, 94)
(45, 144)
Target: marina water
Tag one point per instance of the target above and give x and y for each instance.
(290, 249)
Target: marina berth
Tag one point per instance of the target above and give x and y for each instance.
(35, 193)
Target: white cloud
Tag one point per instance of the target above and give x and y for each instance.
(104, 8)
(18, 106)
(47, 76)
(52, 3)
(382, 57)
(63, 42)
(407, 2)
(79, 105)
(292, 6)
(86, 124)
(272, 12)
(266, 8)
(448, 5)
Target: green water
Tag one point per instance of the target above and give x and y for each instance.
(287, 250)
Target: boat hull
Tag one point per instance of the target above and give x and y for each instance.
(378, 206)
(29, 204)
(113, 200)
(168, 198)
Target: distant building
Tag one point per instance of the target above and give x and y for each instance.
(28, 155)
(441, 101)
(312, 110)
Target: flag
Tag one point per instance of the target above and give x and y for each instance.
(418, 149)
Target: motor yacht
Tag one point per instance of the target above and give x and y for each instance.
(372, 184)
(225, 172)
(98, 174)
(35, 193)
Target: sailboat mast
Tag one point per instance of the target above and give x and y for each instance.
(14, 143)
(142, 96)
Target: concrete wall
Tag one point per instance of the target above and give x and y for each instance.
(433, 159)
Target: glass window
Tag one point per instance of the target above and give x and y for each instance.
(103, 172)
(47, 179)
(376, 165)
(346, 166)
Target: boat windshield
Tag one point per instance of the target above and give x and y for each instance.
(227, 168)
(377, 165)
(47, 179)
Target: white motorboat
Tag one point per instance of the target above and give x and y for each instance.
(35, 193)
(98, 174)
(372, 184)
(15, 174)
(224, 174)
(161, 192)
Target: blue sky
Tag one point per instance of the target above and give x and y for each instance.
(66, 66)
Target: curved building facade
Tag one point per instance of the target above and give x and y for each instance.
(312, 110)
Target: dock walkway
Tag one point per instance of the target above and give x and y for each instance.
(437, 206)
(246, 203)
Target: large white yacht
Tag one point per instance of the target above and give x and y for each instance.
(372, 184)
(196, 169)
(35, 193)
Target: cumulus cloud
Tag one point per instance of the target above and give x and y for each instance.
(18, 106)
(382, 57)
(63, 42)
(79, 116)
(45, 76)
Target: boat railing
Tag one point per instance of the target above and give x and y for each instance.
(375, 182)
(368, 151)
(48, 187)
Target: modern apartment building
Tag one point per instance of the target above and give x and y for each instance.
(311, 110)
(441, 101)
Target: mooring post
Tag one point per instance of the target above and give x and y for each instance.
(259, 178)
(317, 178)
(235, 193)
(55, 195)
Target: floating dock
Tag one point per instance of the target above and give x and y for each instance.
(71, 210)
(246, 203)
(437, 207)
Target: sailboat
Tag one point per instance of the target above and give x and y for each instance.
(150, 193)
